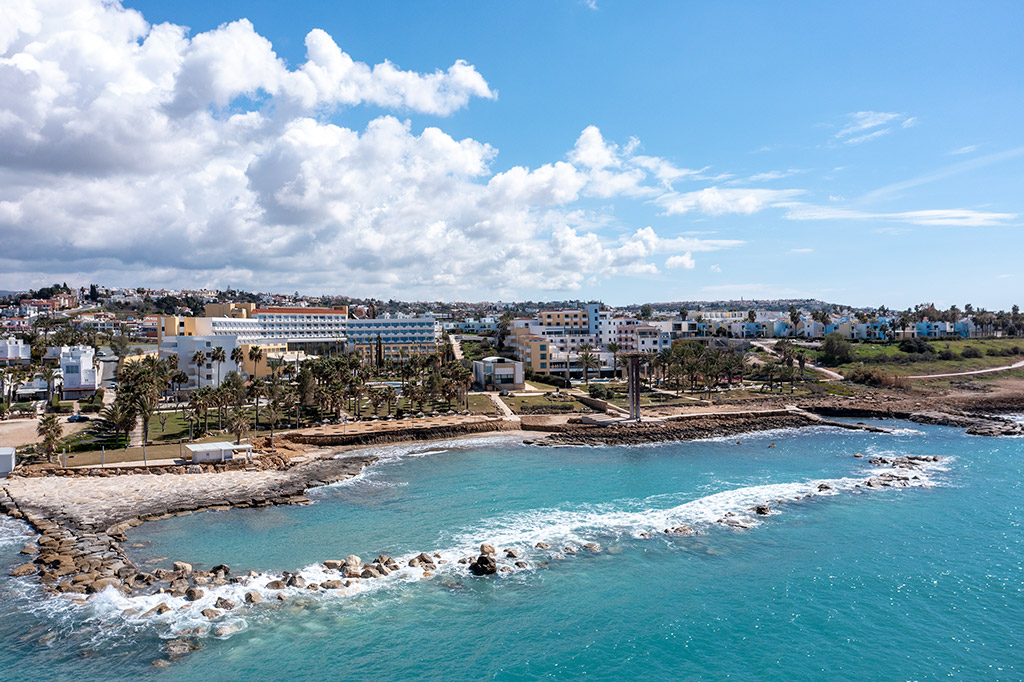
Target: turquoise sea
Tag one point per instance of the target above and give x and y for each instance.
(918, 583)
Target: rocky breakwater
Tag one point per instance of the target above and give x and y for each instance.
(690, 428)
(976, 425)
(82, 520)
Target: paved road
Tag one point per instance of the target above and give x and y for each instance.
(1016, 365)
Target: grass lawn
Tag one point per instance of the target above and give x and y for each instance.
(869, 353)
(533, 402)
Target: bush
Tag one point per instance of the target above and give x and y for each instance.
(63, 408)
(915, 346)
(836, 350)
(554, 380)
(947, 355)
(89, 408)
(874, 377)
(552, 408)
(970, 352)
(601, 392)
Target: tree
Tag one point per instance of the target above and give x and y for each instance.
(646, 311)
(219, 356)
(255, 357)
(119, 344)
(50, 430)
(504, 326)
(751, 316)
(198, 359)
(588, 360)
(272, 415)
(238, 424)
(836, 350)
(237, 357)
(614, 348)
(49, 375)
(120, 417)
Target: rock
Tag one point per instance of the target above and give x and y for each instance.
(511, 554)
(761, 509)
(331, 584)
(253, 597)
(182, 567)
(484, 565)
(504, 569)
(522, 564)
(224, 603)
(463, 560)
(23, 570)
(296, 581)
(179, 647)
(221, 568)
(225, 630)
(161, 663)
(542, 545)
(102, 584)
(194, 594)
(211, 614)
(487, 549)
(370, 572)
(858, 455)
(824, 486)
(353, 560)
(678, 530)
(276, 585)
(30, 549)
(333, 564)
(592, 547)
(568, 550)
(425, 558)
(157, 610)
(645, 534)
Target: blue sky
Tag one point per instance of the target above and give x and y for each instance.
(863, 154)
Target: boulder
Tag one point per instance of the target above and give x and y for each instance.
(592, 547)
(678, 530)
(276, 585)
(487, 549)
(212, 614)
(511, 554)
(353, 560)
(221, 568)
(102, 584)
(370, 572)
(194, 594)
(824, 486)
(331, 584)
(484, 565)
(179, 647)
(224, 603)
(333, 564)
(157, 610)
(296, 581)
(23, 570)
(253, 597)
(542, 545)
(762, 509)
(521, 564)
(182, 568)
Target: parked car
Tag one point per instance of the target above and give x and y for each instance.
(78, 418)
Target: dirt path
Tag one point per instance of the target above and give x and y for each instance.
(1016, 365)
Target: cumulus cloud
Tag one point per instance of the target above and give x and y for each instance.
(684, 261)
(132, 152)
(718, 200)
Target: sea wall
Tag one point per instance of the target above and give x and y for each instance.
(400, 435)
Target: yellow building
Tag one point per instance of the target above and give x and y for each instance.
(532, 350)
(397, 352)
(572, 319)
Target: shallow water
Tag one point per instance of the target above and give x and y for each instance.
(915, 583)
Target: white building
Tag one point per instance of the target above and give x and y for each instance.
(81, 376)
(14, 351)
(498, 374)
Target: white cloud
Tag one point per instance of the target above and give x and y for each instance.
(136, 153)
(964, 150)
(803, 250)
(717, 201)
(716, 268)
(773, 175)
(959, 217)
(684, 261)
(856, 130)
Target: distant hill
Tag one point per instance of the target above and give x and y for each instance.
(775, 304)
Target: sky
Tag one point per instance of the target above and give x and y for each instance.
(865, 154)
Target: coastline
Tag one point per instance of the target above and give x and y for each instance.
(82, 517)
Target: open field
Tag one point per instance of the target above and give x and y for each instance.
(890, 359)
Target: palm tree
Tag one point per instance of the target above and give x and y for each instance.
(50, 430)
(271, 415)
(219, 356)
(49, 375)
(120, 417)
(237, 357)
(376, 399)
(614, 348)
(389, 396)
(238, 424)
(255, 357)
(257, 389)
(198, 359)
(587, 360)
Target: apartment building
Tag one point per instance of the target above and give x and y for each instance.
(15, 351)
(81, 375)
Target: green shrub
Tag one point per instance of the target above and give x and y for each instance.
(89, 408)
(554, 380)
(836, 350)
(970, 352)
(63, 408)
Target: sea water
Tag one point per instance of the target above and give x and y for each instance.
(918, 583)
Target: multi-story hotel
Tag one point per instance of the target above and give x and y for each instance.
(286, 334)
